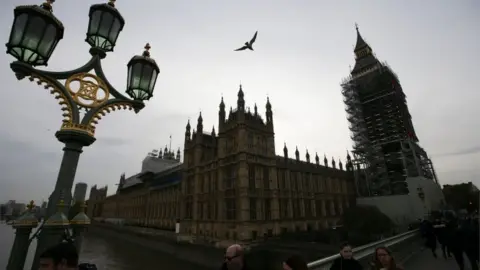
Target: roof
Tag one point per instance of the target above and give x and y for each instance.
(132, 181)
(364, 55)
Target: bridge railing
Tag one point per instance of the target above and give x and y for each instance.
(365, 252)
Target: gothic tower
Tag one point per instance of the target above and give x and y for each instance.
(385, 145)
(224, 169)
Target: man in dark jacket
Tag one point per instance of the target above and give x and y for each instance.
(440, 231)
(346, 260)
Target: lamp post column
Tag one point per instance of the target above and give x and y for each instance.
(23, 226)
(74, 141)
(51, 233)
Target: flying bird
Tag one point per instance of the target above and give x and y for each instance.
(248, 45)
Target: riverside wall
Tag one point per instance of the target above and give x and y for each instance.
(162, 241)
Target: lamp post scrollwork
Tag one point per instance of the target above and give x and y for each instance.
(85, 95)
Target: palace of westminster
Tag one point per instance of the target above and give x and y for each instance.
(232, 185)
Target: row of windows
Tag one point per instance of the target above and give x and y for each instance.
(259, 177)
(261, 209)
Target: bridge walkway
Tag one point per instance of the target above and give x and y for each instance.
(425, 260)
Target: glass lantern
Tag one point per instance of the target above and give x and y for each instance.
(104, 26)
(142, 76)
(35, 34)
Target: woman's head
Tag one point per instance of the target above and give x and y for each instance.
(295, 262)
(346, 251)
(384, 258)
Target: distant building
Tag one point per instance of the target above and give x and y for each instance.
(149, 198)
(13, 209)
(79, 192)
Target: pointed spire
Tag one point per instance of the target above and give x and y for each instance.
(285, 150)
(178, 154)
(240, 100)
(333, 163)
(360, 41)
(188, 125)
(307, 156)
(317, 159)
(222, 105)
(340, 164)
(255, 109)
(297, 154)
(268, 106)
(213, 132)
(200, 123)
(325, 160)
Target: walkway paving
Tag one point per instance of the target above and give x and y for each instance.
(425, 260)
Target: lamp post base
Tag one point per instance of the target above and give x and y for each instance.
(19, 251)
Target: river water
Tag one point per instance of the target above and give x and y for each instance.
(107, 254)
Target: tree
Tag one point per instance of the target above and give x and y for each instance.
(462, 196)
(366, 220)
(74, 210)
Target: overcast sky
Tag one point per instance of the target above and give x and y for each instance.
(303, 50)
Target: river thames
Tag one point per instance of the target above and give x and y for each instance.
(107, 254)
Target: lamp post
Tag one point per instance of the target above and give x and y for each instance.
(84, 94)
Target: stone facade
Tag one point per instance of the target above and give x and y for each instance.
(232, 186)
(145, 199)
(236, 188)
(95, 201)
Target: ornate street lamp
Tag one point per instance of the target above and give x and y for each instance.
(34, 36)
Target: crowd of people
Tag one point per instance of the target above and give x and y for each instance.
(382, 260)
(457, 237)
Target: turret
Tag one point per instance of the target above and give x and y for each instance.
(307, 156)
(297, 154)
(255, 109)
(221, 115)
(349, 164)
(187, 131)
(199, 124)
(325, 160)
(178, 155)
(333, 163)
(285, 150)
(340, 164)
(268, 113)
(240, 100)
(317, 159)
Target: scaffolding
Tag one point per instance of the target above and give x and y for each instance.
(385, 146)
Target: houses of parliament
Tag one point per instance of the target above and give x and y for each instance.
(231, 184)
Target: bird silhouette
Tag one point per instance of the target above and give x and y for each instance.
(248, 45)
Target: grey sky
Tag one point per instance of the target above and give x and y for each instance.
(303, 50)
